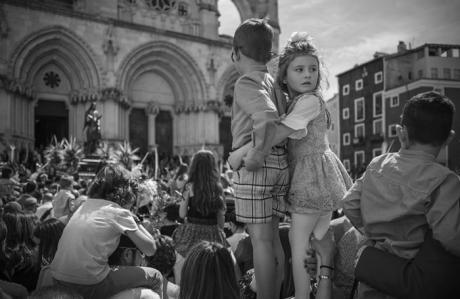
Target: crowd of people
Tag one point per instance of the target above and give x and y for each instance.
(286, 222)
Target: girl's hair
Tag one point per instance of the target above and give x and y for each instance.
(48, 232)
(207, 189)
(114, 183)
(208, 273)
(300, 44)
(19, 244)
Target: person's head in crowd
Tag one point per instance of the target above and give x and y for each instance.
(114, 183)
(164, 258)
(12, 207)
(30, 187)
(42, 178)
(19, 243)
(181, 171)
(207, 189)
(208, 273)
(426, 122)
(126, 254)
(55, 291)
(54, 188)
(7, 172)
(48, 233)
(48, 196)
(66, 182)
(171, 213)
(235, 225)
(253, 39)
(29, 204)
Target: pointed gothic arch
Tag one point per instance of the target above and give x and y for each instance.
(59, 46)
(172, 63)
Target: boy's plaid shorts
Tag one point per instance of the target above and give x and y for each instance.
(261, 194)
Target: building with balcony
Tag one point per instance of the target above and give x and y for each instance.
(412, 71)
(372, 96)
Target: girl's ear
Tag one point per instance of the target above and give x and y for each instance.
(402, 136)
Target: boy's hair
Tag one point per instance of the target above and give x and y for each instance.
(254, 39)
(66, 181)
(428, 118)
(164, 258)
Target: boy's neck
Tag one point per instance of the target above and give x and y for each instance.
(426, 148)
(248, 65)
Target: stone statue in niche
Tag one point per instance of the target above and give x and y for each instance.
(111, 48)
(92, 129)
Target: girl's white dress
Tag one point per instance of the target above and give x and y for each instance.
(318, 178)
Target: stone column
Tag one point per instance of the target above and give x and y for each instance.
(152, 111)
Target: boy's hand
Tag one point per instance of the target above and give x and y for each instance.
(236, 157)
(254, 160)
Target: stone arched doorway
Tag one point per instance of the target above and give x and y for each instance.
(51, 119)
(159, 77)
(59, 67)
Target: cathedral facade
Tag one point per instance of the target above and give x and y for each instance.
(158, 71)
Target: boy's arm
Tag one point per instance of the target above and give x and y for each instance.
(444, 215)
(255, 101)
(352, 204)
(431, 274)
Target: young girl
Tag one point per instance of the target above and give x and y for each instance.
(318, 178)
(203, 205)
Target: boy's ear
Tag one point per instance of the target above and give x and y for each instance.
(450, 137)
(401, 132)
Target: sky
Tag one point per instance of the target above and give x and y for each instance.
(349, 32)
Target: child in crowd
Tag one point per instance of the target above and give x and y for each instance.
(63, 199)
(318, 178)
(203, 205)
(92, 235)
(208, 273)
(402, 195)
(48, 233)
(164, 260)
(259, 196)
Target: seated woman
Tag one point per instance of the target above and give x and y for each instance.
(93, 234)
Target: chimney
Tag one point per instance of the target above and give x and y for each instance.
(402, 47)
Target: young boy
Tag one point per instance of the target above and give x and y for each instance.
(259, 195)
(402, 195)
(63, 200)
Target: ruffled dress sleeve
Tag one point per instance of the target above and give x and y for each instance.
(305, 109)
